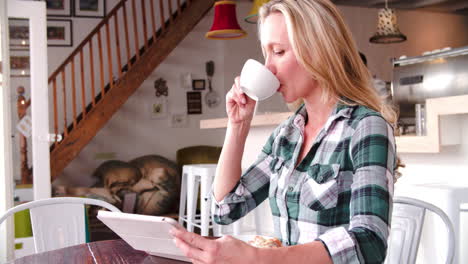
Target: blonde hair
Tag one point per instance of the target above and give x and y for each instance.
(324, 46)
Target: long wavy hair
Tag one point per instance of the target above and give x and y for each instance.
(323, 45)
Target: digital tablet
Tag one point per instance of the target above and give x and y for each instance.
(145, 232)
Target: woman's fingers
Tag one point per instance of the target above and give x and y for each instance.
(194, 246)
(193, 253)
(191, 238)
(238, 94)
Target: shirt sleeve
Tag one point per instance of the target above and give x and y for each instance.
(373, 155)
(250, 191)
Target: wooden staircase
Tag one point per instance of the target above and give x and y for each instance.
(146, 41)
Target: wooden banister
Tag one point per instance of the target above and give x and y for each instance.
(153, 21)
(101, 63)
(91, 68)
(64, 102)
(109, 57)
(127, 41)
(161, 15)
(83, 90)
(117, 46)
(112, 65)
(143, 17)
(135, 30)
(73, 92)
(87, 39)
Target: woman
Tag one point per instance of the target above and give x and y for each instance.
(327, 170)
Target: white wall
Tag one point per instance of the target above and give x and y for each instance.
(132, 132)
(426, 31)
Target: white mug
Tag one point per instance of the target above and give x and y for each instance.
(257, 81)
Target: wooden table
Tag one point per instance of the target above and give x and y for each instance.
(109, 251)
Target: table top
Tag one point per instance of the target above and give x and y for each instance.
(101, 252)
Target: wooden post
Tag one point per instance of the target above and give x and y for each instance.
(22, 106)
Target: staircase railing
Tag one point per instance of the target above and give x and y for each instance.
(104, 56)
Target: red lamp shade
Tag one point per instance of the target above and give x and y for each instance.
(225, 25)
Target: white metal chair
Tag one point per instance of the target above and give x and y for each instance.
(405, 234)
(57, 222)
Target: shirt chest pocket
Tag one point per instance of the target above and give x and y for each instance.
(319, 190)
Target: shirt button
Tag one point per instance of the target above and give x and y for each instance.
(290, 188)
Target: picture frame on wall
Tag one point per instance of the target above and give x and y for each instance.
(19, 33)
(19, 63)
(90, 8)
(178, 120)
(60, 8)
(194, 103)
(59, 33)
(159, 108)
(198, 85)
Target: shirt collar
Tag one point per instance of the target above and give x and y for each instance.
(342, 108)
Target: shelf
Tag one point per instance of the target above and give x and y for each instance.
(441, 116)
(268, 119)
(442, 126)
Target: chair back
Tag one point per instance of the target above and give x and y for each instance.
(406, 228)
(58, 222)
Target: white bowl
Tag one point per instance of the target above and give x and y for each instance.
(257, 81)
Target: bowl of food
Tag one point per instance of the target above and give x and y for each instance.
(260, 241)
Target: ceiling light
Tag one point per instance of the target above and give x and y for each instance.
(387, 28)
(225, 25)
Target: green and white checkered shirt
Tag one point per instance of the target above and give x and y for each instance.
(340, 193)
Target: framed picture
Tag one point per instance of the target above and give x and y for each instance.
(194, 103)
(59, 7)
(178, 120)
(186, 80)
(59, 32)
(198, 85)
(159, 108)
(19, 33)
(90, 8)
(19, 63)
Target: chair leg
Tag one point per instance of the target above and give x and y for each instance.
(205, 204)
(257, 221)
(183, 198)
(192, 194)
(217, 231)
(236, 227)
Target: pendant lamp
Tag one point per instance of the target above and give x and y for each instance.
(225, 25)
(252, 17)
(387, 28)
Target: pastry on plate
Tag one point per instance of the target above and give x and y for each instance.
(265, 242)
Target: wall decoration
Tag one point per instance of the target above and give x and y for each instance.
(198, 85)
(24, 126)
(58, 7)
(161, 87)
(178, 120)
(59, 33)
(186, 80)
(90, 8)
(159, 108)
(194, 103)
(19, 63)
(19, 33)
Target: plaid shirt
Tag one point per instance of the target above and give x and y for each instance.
(339, 194)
